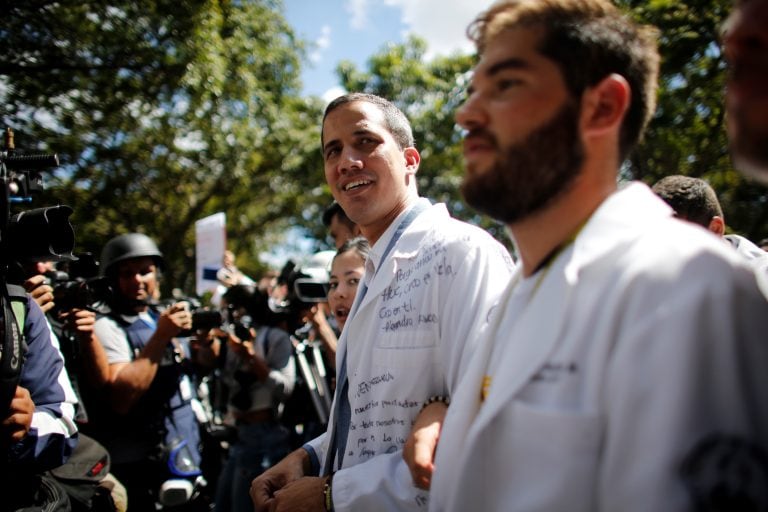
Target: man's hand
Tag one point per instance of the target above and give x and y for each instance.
(173, 320)
(81, 321)
(302, 495)
(265, 486)
(419, 449)
(19, 420)
(40, 292)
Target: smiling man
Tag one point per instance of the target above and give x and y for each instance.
(625, 365)
(148, 404)
(431, 281)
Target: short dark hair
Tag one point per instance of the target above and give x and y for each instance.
(693, 199)
(334, 210)
(588, 40)
(395, 121)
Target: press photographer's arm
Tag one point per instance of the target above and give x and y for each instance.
(131, 380)
(39, 429)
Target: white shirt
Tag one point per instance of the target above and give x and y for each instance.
(757, 258)
(604, 371)
(405, 343)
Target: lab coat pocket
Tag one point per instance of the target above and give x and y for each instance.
(553, 455)
(406, 355)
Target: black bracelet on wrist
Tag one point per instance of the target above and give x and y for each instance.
(436, 398)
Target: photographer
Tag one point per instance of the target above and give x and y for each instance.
(145, 419)
(67, 304)
(259, 373)
(37, 429)
(71, 325)
(45, 463)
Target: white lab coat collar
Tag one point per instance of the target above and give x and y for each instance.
(621, 215)
(407, 247)
(633, 208)
(376, 252)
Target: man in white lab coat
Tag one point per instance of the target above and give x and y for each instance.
(694, 200)
(625, 367)
(431, 281)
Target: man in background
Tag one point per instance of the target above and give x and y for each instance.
(745, 38)
(694, 200)
(145, 416)
(340, 227)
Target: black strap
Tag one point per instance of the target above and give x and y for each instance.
(13, 345)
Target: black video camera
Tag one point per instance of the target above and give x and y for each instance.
(40, 234)
(306, 285)
(43, 234)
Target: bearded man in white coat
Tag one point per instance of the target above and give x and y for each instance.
(431, 281)
(625, 366)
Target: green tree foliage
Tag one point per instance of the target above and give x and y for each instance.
(686, 136)
(164, 112)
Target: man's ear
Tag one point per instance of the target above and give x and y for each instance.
(717, 225)
(412, 160)
(604, 105)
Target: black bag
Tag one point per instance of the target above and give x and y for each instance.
(82, 474)
(72, 487)
(35, 493)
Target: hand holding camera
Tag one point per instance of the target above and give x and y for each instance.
(79, 321)
(40, 291)
(174, 319)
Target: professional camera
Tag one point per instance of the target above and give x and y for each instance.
(203, 319)
(43, 234)
(306, 285)
(310, 281)
(81, 287)
(40, 234)
(241, 327)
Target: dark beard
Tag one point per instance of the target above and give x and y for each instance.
(529, 175)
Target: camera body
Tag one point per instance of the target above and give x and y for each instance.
(80, 287)
(306, 286)
(311, 289)
(204, 319)
(40, 234)
(81, 293)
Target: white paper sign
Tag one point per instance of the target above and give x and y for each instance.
(210, 243)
